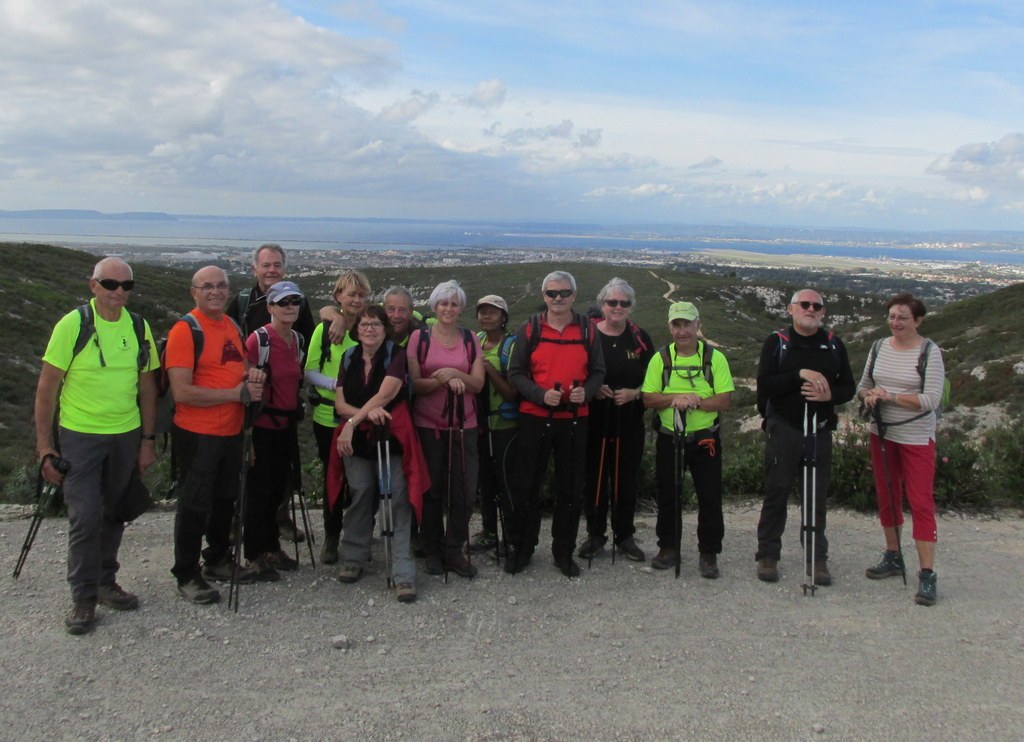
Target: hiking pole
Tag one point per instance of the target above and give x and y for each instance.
(45, 492)
(499, 475)
(600, 486)
(299, 493)
(810, 500)
(461, 416)
(876, 413)
(615, 478)
(234, 589)
(450, 411)
(679, 429)
(384, 481)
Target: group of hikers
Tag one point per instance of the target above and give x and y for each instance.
(413, 420)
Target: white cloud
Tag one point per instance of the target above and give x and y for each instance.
(995, 164)
(405, 111)
(707, 163)
(488, 94)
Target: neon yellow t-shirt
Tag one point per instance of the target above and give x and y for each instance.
(687, 377)
(324, 413)
(98, 398)
(494, 420)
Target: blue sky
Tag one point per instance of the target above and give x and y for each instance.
(867, 114)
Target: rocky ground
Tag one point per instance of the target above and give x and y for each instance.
(623, 652)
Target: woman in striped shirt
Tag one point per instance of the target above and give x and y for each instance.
(902, 385)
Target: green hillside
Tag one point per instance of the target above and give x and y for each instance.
(976, 333)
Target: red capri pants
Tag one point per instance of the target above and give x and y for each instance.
(913, 472)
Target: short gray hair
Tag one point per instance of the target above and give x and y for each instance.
(268, 246)
(397, 291)
(793, 299)
(97, 271)
(447, 290)
(561, 277)
(616, 284)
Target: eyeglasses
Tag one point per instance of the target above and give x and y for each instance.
(111, 285)
(371, 325)
(899, 318)
(559, 293)
(208, 287)
(624, 303)
(808, 304)
(289, 301)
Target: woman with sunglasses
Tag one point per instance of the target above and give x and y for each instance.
(902, 384)
(615, 433)
(276, 348)
(371, 397)
(331, 338)
(447, 371)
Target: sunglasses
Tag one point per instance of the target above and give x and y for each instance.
(111, 285)
(808, 304)
(292, 301)
(559, 293)
(624, 303)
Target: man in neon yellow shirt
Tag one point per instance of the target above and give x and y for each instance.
(698, 385)
(105, 427)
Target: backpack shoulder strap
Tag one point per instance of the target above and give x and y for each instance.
(709, 374)
(423, 345)
(264, 351)
(638, 338)
(300, 345)
(666, 365)
(87, 326)
(244, 299)
(467, 340)
(922, 360)
(506, 351)
(872, 357)
(197, 335)
(139, 325)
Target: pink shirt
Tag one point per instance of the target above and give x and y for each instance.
(429, 409)
(284, 375)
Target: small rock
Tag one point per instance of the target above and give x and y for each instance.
(512, 600)
(818, 728)
(339, 642)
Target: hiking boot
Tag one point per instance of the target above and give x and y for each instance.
(433, 565)
(116, 598)
(483, 541)
(666, 559)
(567, 566)
(927, 590)
(329, 552)
(630, 550)
(263, 570)
(288, 531)
(198, 591)
(890, 565)
(593, 546)
(517, 561)
(280, 561)
(460, 566)
(350, 573)
(223, 571)
(708, 566)
(82, 617)
(405, 592)
(768, 569)
(821, 574)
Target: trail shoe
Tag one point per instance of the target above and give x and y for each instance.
(405, 592)
(927, 590)
(517, 561)
(263, 570)
(593, 546)
(567, 566)
(350, 573)
(821, 574)
(890, 565)
(434, 565)
(198, 591)
(116, 598)
(768, 569)
(82, 617)
(708, 566)
(460, 566)
(666, 559)
(280, 561)
(329, 552)
(483, 541)
(288, 531)
(223, 571)
(629, 549)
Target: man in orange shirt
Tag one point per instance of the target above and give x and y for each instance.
(210, 388)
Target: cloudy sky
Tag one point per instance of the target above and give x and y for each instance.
(900, 114)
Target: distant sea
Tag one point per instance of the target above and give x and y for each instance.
(163, 231)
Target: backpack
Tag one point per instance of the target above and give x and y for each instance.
(423, 346)
(667, 368)
(533, 334)
(922, 365)
(508, 409)
(780, 355)
(87, 329)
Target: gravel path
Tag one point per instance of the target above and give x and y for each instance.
(624, 652)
